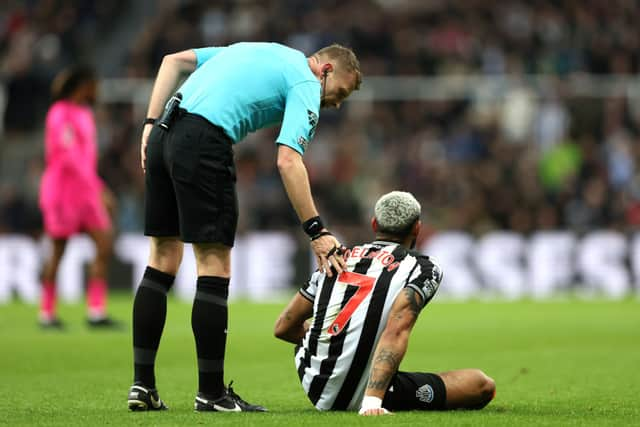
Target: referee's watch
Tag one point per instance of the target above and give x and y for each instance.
(148, 121)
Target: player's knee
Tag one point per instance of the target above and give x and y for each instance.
(485, 388)
(488, 389)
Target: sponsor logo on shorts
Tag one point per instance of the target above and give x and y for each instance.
(425, 394)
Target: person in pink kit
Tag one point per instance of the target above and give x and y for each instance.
(73, 198)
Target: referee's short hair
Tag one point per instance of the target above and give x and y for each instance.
(396, 213)
(346, 59)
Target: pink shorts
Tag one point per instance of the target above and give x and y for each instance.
(61, 221)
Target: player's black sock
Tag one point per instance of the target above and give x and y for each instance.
(209, 324)
(149, 315)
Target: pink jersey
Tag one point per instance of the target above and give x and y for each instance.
(70, 192)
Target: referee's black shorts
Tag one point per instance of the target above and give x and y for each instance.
(190, 182)
(412, 391)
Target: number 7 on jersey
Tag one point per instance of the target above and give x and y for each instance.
(364, 285)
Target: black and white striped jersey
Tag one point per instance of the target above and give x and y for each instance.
(350, 312)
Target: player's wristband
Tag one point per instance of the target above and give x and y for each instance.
(320, 234)
(370, 402)
(148, 121)
(313, 226)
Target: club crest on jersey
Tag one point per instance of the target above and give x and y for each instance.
(425, 394)
(313, 122)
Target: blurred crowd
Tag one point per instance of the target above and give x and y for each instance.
(534, 159)
(37, 39)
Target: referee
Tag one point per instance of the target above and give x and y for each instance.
(186, 152)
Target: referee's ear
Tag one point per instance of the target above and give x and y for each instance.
(374, 224)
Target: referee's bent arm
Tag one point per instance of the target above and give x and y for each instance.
(172, 69)
(296, 182)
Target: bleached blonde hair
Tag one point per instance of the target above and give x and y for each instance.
(396, 212)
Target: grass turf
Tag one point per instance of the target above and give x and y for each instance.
(555, 363)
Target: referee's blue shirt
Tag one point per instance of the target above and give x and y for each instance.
(244, 87)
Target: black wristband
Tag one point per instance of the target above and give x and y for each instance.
(320, 234)
(312, 226)
(149, 121)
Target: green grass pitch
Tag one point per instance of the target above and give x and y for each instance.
(568, 363)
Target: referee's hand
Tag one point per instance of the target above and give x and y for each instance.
(143, 146)
(328, 253)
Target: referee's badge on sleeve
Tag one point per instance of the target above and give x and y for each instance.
(313, 122)
(302, 141)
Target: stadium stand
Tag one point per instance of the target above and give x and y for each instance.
(537, 159)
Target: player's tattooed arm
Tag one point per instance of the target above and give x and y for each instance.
(393, 343)
(414, 300)
(384, 367)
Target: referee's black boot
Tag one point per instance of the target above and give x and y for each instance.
(228, 402)
(142, 398)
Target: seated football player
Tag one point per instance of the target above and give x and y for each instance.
(348, 356)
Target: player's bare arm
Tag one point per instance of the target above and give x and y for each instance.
(172, 69)
(390, 350)
(292, 324)
(296, 182)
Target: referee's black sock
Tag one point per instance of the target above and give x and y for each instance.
(149, 315)
(209, 324)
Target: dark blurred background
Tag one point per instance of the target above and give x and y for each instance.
(497, 115)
